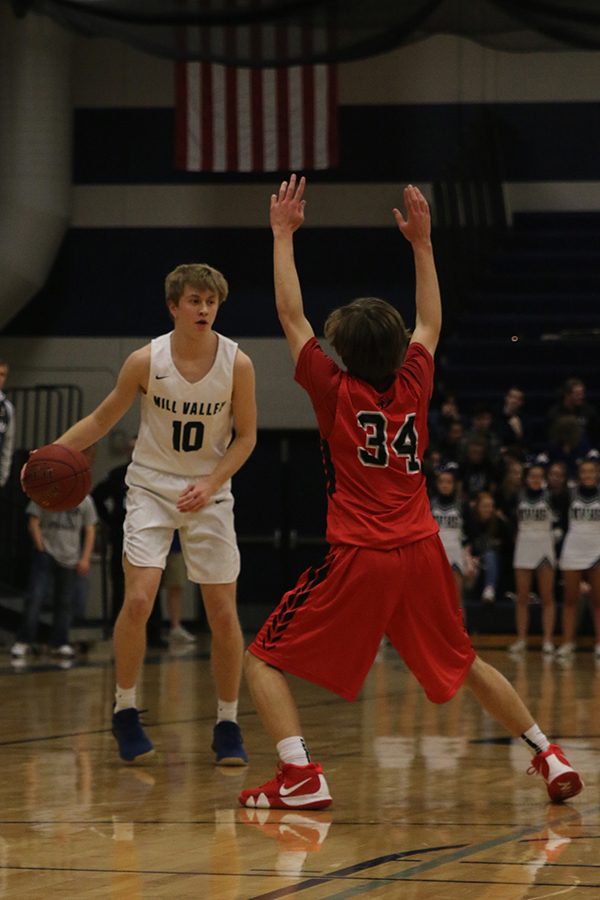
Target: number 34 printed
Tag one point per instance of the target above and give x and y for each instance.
(376, 452)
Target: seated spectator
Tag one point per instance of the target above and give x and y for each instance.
(441, 419)
(451, 443)
(507, 495)
(432, 461)
(482, 427)
(511, 426)
(568, 444)
(572, 402)
(477, 471)
(489, 543)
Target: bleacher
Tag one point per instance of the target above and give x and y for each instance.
(532, 318)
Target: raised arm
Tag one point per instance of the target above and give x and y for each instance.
(287, 215)
(416, 228)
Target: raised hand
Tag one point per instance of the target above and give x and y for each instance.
(287, 207)
(416, 228)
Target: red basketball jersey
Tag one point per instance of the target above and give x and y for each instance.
(373, 444)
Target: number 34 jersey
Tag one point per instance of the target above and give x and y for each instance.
(185, 428)
(373, 444)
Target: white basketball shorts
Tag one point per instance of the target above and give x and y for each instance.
(208, 541)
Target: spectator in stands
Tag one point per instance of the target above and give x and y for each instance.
(451, 443)
(568, 444)
(482, 427)
(507, 495)
(441, 419)
(59, 556)
(432, 461)
(572, 402)
(534, 554)
(512, 431)
(488, 540)
(477, 471)
(7, 426)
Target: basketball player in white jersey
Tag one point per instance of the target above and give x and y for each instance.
(196, 387)
(581, 555)
(534, 552)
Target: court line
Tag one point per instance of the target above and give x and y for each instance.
(166, 722)
(546, 884)
(452, 857)
(350, 870)
(508, 862)
(459, 854)
(272, 895)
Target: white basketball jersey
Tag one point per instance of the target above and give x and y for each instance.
(185, 428)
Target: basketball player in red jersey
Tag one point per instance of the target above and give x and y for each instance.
(387, 571)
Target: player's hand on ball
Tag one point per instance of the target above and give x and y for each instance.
(23, 467)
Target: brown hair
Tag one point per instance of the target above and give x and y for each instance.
(198, 275)
(370, 337)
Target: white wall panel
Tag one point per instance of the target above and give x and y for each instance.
(442, 69)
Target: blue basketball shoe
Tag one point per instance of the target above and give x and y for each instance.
(134, 745)
(228, 745)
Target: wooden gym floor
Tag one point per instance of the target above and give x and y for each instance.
(429, 802)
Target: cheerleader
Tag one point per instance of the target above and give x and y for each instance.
(534, 553)
(580, 555)
(446, 509)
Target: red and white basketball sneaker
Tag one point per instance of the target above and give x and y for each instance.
(561, 778)
(294, 787)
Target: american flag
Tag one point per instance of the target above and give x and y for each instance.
(241, 119)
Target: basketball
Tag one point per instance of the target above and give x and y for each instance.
(57, 478)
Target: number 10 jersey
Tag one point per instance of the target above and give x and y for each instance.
(185, 427)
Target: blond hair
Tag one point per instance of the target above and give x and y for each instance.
(197, 275)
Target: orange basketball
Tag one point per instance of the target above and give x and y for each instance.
(57, 478)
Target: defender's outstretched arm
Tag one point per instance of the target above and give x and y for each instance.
(287, 215)
(416, 228)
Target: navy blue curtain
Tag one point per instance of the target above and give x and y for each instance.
(327, 30)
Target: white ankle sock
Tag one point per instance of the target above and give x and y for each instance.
(293, 750)
(227, 711)
(124, 698)
(535, 739)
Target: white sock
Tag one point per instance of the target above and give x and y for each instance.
(535, 739)
(293, 750)
(124, 698)
(227, 711)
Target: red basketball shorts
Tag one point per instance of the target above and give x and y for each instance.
(329, 627)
